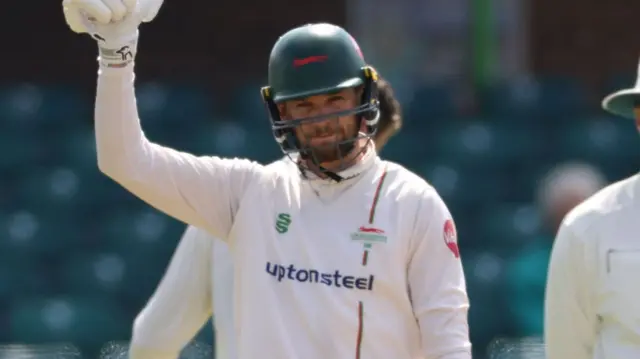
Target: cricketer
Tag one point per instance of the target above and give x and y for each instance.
(337, 253)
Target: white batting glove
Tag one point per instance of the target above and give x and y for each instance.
(112, 23)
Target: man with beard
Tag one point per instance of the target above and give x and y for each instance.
(337, 252)
(199, 279)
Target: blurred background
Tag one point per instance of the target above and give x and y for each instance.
(501, 102)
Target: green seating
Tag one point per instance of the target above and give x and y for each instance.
(44, 107)
(56, 189)
(508, 226)
(430, 103)
(462, 186)
(544, 98)
(485, 144)
(17, 151)
(484, 273)
(40, 351)
(173, 103)
(77, 149)
(23, 275)
(32, 233)
(86, 321)
(142, 232)
(94, 274)
(247, 105)
(600, 140)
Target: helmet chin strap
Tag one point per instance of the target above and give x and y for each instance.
(307, 158)
(344, 148)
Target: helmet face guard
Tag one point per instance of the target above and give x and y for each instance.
(367, 115)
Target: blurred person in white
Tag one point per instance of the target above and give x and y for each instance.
(592, 309)
(337, 252)
(199, 279)
(563, 188)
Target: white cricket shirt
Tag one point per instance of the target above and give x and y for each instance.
(592, 309)
(199, 277)
(364, 268)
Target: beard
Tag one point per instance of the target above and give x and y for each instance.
(331, 152)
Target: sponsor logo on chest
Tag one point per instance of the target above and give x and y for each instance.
(368, 236)
(335, 278)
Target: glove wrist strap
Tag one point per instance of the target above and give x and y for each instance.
(116, 54)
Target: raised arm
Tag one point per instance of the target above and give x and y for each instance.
(202, 191)
(436, 282)
(181, 304)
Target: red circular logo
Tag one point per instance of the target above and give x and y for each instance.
(451, 237)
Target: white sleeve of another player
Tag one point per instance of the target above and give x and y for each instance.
(436, 282)
(223, 308)
(201, 191)
(181, 304)
(570, 323)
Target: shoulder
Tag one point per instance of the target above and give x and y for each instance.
(407, 185)
(278, 169)
(417, 202)
(601, 208)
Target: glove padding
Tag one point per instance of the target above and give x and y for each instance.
(112, 23)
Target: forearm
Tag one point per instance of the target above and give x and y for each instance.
(181, 304)
(126, 156)
(171, 181)
(120, 143)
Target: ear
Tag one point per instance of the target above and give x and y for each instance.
(282, 108)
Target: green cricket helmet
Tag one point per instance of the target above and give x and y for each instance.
(313, 60)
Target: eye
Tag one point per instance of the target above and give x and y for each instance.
(337, 101)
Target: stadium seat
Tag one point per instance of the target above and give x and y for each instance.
(484, 272)
(410, 147)
(129, 277)
(18, 150)
(464, 186)
(50, 107)
(238, 139)
(205, 336)
(247, 105)
(544, 99)
(165, 104)
(68, 193)
(86, 321)
(144, 232)
(76, 149)
(606, 141)
(28, 233)
(480, 143)
(429, 104)
(56, 189)
(225, 139)
(23, 276)
(94, 274)
(33, 351)
(510, 225)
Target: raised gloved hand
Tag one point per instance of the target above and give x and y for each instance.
(112, 23)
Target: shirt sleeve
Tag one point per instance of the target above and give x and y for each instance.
(201, 191)
(436, 282)
(181, 304)
(570, 324)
